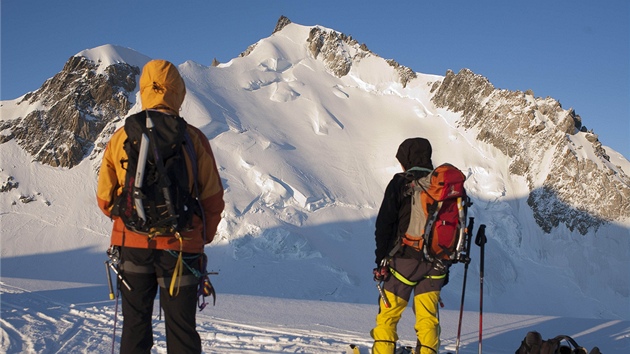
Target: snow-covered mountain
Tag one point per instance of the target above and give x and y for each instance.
(305, 125)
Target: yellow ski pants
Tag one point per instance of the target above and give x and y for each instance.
(427, 325)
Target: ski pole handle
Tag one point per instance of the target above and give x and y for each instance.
(480, 239)
(383, 295)
(469, 233)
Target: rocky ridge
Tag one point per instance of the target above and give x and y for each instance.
(77, 103)
(339, 51)
(530, 130)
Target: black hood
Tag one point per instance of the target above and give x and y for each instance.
(415, 152)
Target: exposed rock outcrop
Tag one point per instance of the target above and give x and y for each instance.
(332, 47)
(576, 191)
(282, 22)
(77, 104)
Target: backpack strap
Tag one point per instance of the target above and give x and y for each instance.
(423, 187)
(412, 174)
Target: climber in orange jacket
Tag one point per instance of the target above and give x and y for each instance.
(147, 262)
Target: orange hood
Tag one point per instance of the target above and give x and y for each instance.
(161, 86)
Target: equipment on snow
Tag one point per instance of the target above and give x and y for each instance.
(156, 197)
(466, 260)
(480, 240)
(404, 350)
(354, 349)
(534, 344)
(437, 225)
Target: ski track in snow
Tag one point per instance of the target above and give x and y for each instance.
(34, 324)
(225, 335)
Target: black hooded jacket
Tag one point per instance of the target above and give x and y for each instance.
(393, 216)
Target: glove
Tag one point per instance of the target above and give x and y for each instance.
(380, 273)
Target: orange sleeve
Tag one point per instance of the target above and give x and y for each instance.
(111, 178)
(210, 186)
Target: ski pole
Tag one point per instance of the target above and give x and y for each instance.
(466, 260)
(480, 241)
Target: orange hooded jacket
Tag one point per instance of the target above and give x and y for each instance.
(162, 88)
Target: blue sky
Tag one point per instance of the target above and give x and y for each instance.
(576, 51)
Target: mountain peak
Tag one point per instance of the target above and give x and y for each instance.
(65, 116)
(108, 55)
(282, 22)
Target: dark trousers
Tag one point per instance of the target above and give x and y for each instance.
(417, 271)
(144, 269)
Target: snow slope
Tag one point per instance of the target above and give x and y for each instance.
(305, 157)
(34, 323)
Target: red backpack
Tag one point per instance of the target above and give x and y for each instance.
(439, 207)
